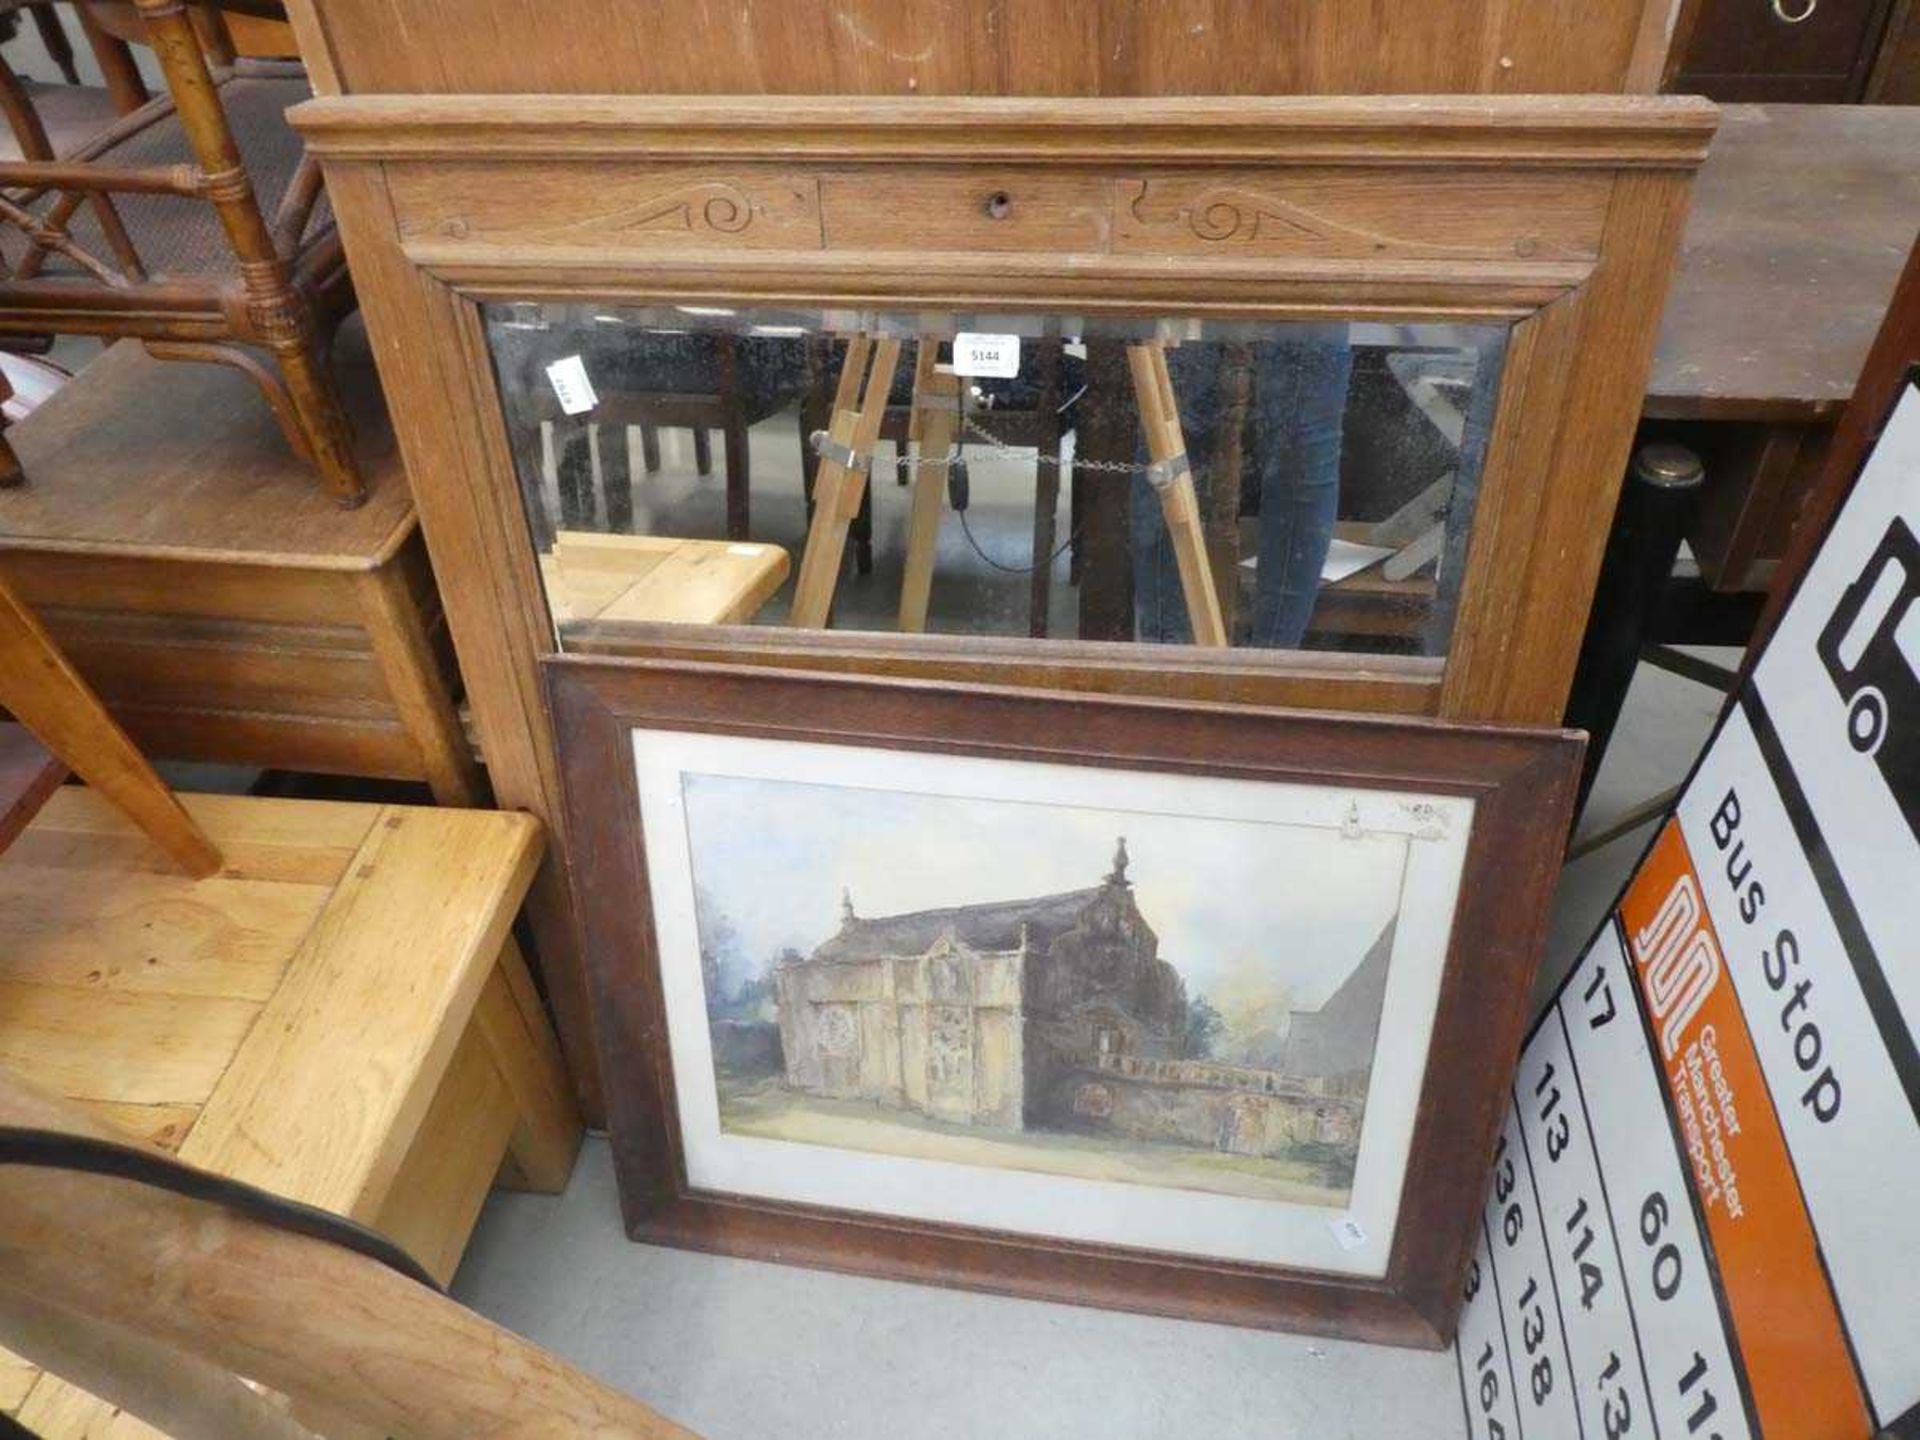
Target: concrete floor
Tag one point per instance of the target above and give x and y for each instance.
(736, 1348)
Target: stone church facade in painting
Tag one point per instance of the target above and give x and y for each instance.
(981, 1014)
(1058, 1013)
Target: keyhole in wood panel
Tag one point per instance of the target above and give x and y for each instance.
(999, 205)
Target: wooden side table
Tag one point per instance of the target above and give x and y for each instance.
(225, 609)
(341, 1016)
(1802, 217)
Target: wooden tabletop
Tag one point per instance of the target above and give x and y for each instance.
(655, 578)
(149, 457)
(1802, 218)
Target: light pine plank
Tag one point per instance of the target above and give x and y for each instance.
(137, 1049)
(308, 842)
(162, 1125)
(325, 1096)
(149, 932)
(16, 1379)
(511, 1019)
(434, 1200)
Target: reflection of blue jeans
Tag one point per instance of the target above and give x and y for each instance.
(1291, 472)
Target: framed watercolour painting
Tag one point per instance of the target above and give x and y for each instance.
(1198, 1010)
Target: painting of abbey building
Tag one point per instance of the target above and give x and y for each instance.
(1054, 1033)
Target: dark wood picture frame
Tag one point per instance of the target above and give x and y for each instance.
(1522, 783)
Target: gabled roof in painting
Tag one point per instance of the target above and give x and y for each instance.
(988, 927)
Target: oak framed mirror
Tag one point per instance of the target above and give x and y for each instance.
(1309, 402)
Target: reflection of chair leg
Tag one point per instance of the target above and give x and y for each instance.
(650, 448)
(733, 440)
(47, 695)
(702, 452)
(739, 480)
(616, 479)
(1173, 482)
(1046, 504)
(933, 424)
(861, 533)
(840, 483)
(1046, 492)
(573, 473)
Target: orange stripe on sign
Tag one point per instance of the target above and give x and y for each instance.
(1801, 1374)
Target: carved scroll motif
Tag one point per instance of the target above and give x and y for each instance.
(1238, 214)
(715, 206)
(611, 204)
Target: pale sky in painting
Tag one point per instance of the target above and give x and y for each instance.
(1238, 906)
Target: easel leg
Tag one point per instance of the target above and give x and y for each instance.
(841, 479)
(934, 424)
(1160, 419)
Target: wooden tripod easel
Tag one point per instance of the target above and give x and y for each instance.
(859, 405)
(933, 423)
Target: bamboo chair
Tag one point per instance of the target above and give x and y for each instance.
(185, 259)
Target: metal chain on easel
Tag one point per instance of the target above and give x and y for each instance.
(1158, 473)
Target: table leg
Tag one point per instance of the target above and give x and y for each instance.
(1662, 488)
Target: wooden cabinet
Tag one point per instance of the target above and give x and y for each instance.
(223, 608)
(1761, 50)
(985, 47)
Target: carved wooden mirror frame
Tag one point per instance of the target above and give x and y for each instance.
(1557, 216)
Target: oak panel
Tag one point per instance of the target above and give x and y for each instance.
(641, 207)
(1324, 213)
(978, 210)
(986, 47)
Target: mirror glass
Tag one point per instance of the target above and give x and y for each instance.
(1264, 485)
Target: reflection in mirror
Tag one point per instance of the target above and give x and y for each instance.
(1265, 485)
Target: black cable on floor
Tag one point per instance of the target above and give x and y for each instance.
(58, 1150)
